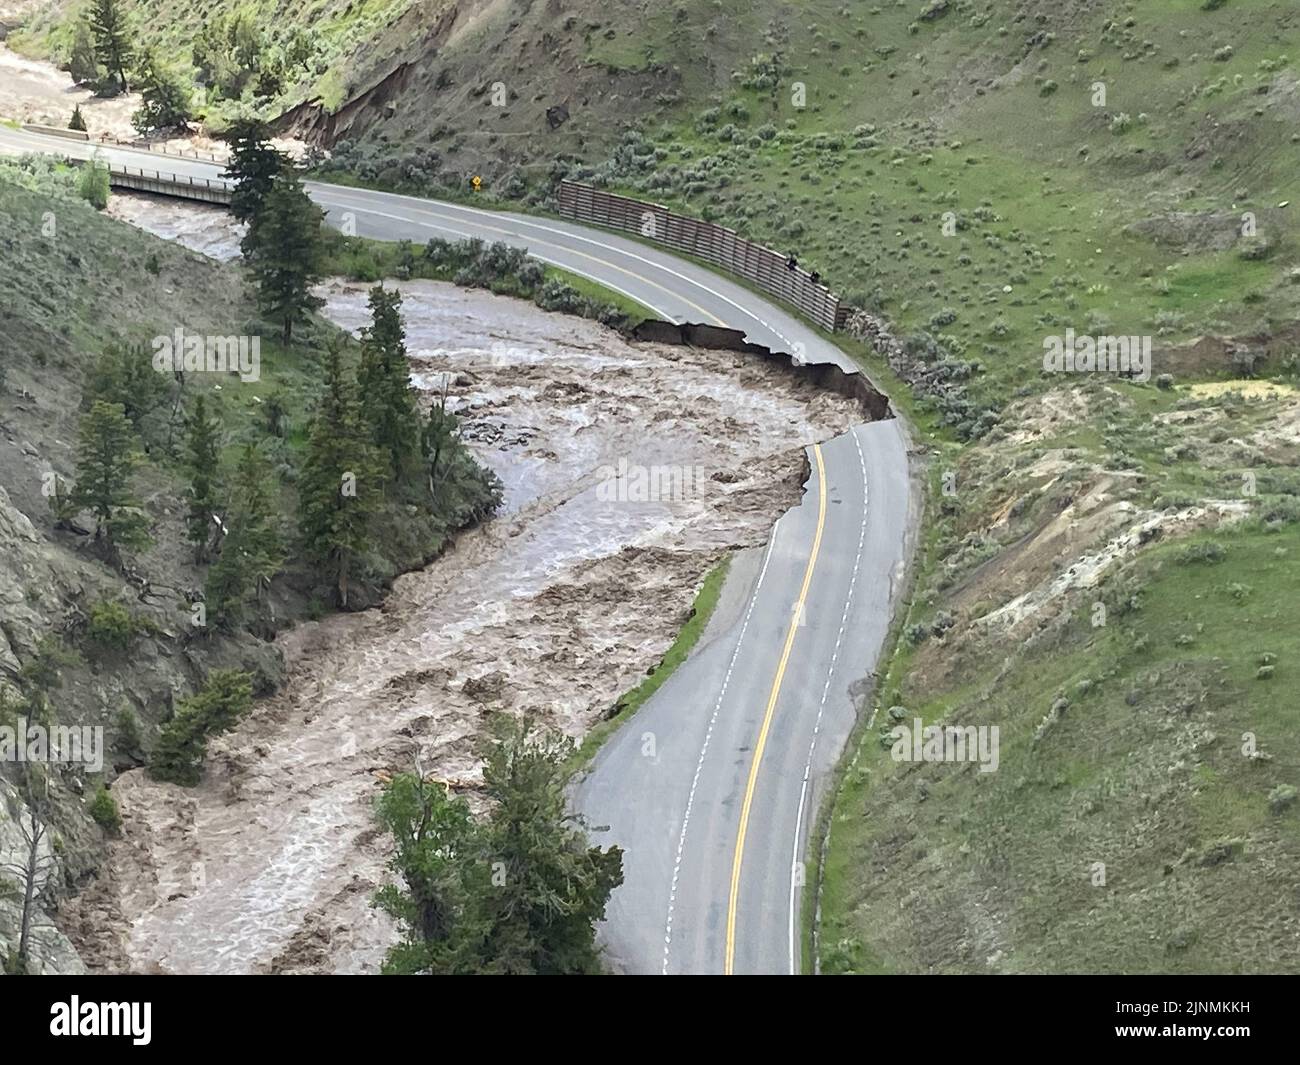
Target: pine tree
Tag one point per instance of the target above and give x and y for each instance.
(77, 122)
(385, 382)
(40, 675)
(253, 167)
(164, 98)
(436, 857)
(338, 488)
(202, 446)
(124, 373)
(112, 38)
(286, 255)
(553, 886)
(225, 698)
(106, 457)
(82, 64)
(518, 892)
(253, 551)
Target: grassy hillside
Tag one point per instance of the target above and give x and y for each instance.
(986, 174)
(71, 282)
(1100, 585)
(1118, 216)
(272, 51)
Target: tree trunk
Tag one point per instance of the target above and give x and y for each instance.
(433, 468)
(29, 892)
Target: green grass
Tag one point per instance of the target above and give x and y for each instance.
(1144, 770)
(633, 309)
(1073, 213)
(1035, 214)
(338, 29)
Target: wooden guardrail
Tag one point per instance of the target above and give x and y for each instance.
(769, 270)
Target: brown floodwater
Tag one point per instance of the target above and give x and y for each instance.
(549, 611)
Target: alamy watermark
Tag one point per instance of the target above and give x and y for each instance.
(197, 353)
(946, 743)
(632, 483)
(59, 744)
(133, 1020)
(1129, 355)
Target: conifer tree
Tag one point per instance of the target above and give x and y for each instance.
(338, 489)
(202, 446)
(253, 550)
(438, 436)
(112, 36)
(106, 457)
(553, 885)
(253, 167)
(385, 382)
(520, 891)
(164, 98)
(286, 255)
(82, 64)
(124, 373)
(177, 756)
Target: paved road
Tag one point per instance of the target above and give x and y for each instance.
(712, 787)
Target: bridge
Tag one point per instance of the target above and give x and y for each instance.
(147, 179)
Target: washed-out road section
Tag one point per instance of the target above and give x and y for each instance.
(712, 788)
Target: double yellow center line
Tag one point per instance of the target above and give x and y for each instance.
(795, 614)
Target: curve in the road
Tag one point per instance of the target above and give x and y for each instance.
(747, 730)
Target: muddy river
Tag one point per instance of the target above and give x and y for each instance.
(551, 611)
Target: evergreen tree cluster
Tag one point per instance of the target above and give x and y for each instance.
(165, 98)
(365, 458)
(178, 754)
(372, 470)
(104, 50)
(519, 892)
(234, 56)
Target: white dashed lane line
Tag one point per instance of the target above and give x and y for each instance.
(704, 750)
(817, 725)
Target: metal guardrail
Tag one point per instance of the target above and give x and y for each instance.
(107, 138)
(176, 185)
(142, 180)
(162, 149)
(768, 270)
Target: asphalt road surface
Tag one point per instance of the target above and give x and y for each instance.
(712, 787)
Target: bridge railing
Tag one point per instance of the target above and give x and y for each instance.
(770, 271)
(180, 186)
(162, 149)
